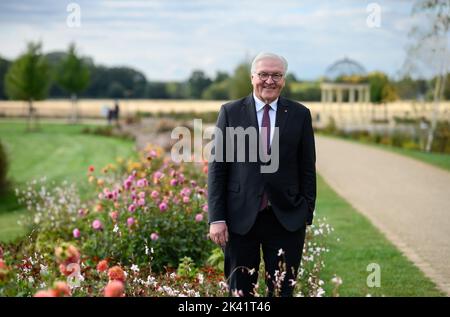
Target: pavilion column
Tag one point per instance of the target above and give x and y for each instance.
(360, 95)
(367, 94)
(351, 95)
(339, 95)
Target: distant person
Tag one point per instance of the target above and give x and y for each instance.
(116, 111)
(113, 113)
(110, 115)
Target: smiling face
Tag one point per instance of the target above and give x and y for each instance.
(268, 90)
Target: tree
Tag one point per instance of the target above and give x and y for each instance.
(73, 77)
(116, 90)
(221, 76)
(289, 81)
(381, 91)
(28, 78)
(131, 82)
(157, 90)
(410, 89)
(240, 83)
(429, 51)
(217, 91)
(4, 65)
(197, 83)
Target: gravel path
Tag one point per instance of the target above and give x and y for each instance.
(409, 201)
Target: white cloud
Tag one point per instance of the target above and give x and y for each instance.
(168, 39)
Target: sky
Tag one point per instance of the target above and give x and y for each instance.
(167, 40)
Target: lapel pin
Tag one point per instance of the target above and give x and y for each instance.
(285, 110)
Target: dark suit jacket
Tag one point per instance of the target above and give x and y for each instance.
(235, 188)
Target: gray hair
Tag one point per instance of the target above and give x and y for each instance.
(265, 55)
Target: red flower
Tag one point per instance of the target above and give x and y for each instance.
(102, 266)
(116, 274)
(62, 289)
(66, 271)
(3, 269)
(114, 289)
(46, 293)
(91, 168)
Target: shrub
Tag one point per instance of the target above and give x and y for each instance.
(3, 169)
(411, 145)
(441, 142)
(331, 127)
(108, 131)
(157, 205)
(398, 138)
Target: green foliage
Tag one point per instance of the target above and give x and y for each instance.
(240, 85)
(107, 131)
(172, 233)
(217, 91)
(352, 79)
(187, 268)
(197, 83)
(28, 78)
(3, 169)
(410, 145)
(4, 65)
(441, 141)
(410, 89)
(331, 127)
(217, 259)
(304, 91)
(115, 82)
(381, 89)
(177, 90)
(72, 74)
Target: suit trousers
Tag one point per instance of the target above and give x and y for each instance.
(242, 256)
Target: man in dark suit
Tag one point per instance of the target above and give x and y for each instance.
(249, 209)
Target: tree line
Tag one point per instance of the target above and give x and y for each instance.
(69, 75)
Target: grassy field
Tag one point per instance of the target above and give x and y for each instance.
(436, 159)
(59, 152)
(355, 244)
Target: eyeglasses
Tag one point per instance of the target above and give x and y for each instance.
(265, 76)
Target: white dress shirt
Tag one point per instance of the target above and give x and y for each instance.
(259, 105)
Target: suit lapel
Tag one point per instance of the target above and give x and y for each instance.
(250, 112)
(282, 115)
(251, 120)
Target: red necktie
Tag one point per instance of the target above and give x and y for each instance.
(266, 142)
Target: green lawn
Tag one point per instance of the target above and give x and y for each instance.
(360, 244)
(436, 159)
(57, 151)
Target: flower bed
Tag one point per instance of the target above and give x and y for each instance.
(143, 233)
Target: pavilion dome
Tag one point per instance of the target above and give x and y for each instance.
(344, 68)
